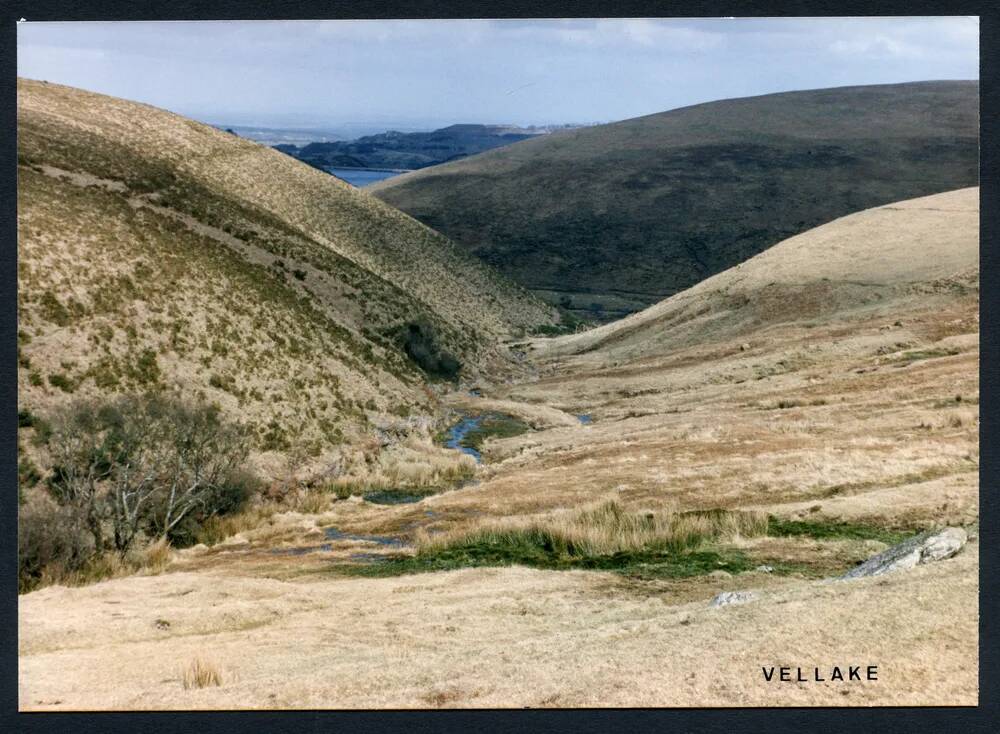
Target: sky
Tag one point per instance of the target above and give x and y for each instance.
(426, 74)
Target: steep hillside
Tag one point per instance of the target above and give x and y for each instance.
(156, 251)
(613, 218)
(916, 250)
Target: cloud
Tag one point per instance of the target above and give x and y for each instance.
(570, 70)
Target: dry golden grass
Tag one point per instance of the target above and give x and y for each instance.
(498, 637)
(157, 556)
(413, 463)
(216, 529)
(201, 674)
(605, 528)
(149, 560)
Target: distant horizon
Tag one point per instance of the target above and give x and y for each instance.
(427, 74)
(569, 123)
(361, 128)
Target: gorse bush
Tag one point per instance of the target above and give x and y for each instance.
(420, 342)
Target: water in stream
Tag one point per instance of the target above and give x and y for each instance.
(393, 497)
(384, 540)
(458, 432)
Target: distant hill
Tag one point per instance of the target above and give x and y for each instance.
(411, 150)
(612, 218)
(157, 252)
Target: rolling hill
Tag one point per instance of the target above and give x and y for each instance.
(610, 219)
(885, 259)
(157, 252)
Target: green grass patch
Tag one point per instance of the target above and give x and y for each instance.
(493, 425)
(539, 552)
(834, 530)
(907, 358)
(636, 545)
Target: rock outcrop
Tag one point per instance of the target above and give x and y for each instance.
(933, 545)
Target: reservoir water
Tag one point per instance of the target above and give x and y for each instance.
(361, 177)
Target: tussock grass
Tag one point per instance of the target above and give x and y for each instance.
(604, 536)
(604, 529)
(216, 529)
(314, 502)
(406, 467)
(200, 673)
(157, 556)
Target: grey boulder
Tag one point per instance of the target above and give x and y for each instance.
(732, 597)
(933, 545)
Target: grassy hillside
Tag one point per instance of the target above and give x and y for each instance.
(613, 218)
(156, 252)
(920, 250)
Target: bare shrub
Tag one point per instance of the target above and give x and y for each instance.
(51, 542)
(146, 462)
(81, 464)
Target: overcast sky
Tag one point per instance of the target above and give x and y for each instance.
(434, 73)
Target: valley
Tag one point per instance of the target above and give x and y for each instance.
(459, 512)
(661, 202)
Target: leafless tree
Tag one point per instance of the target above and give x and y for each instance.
(203, 454)
(142, 461)
(138, 435)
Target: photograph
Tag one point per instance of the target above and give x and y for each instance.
(497, 363)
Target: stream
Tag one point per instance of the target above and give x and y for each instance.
(458, 432)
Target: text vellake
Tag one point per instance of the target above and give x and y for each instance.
(788, 674)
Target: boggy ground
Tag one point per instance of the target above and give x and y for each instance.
(865, 413)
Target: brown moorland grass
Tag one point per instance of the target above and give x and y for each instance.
(156, 253)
